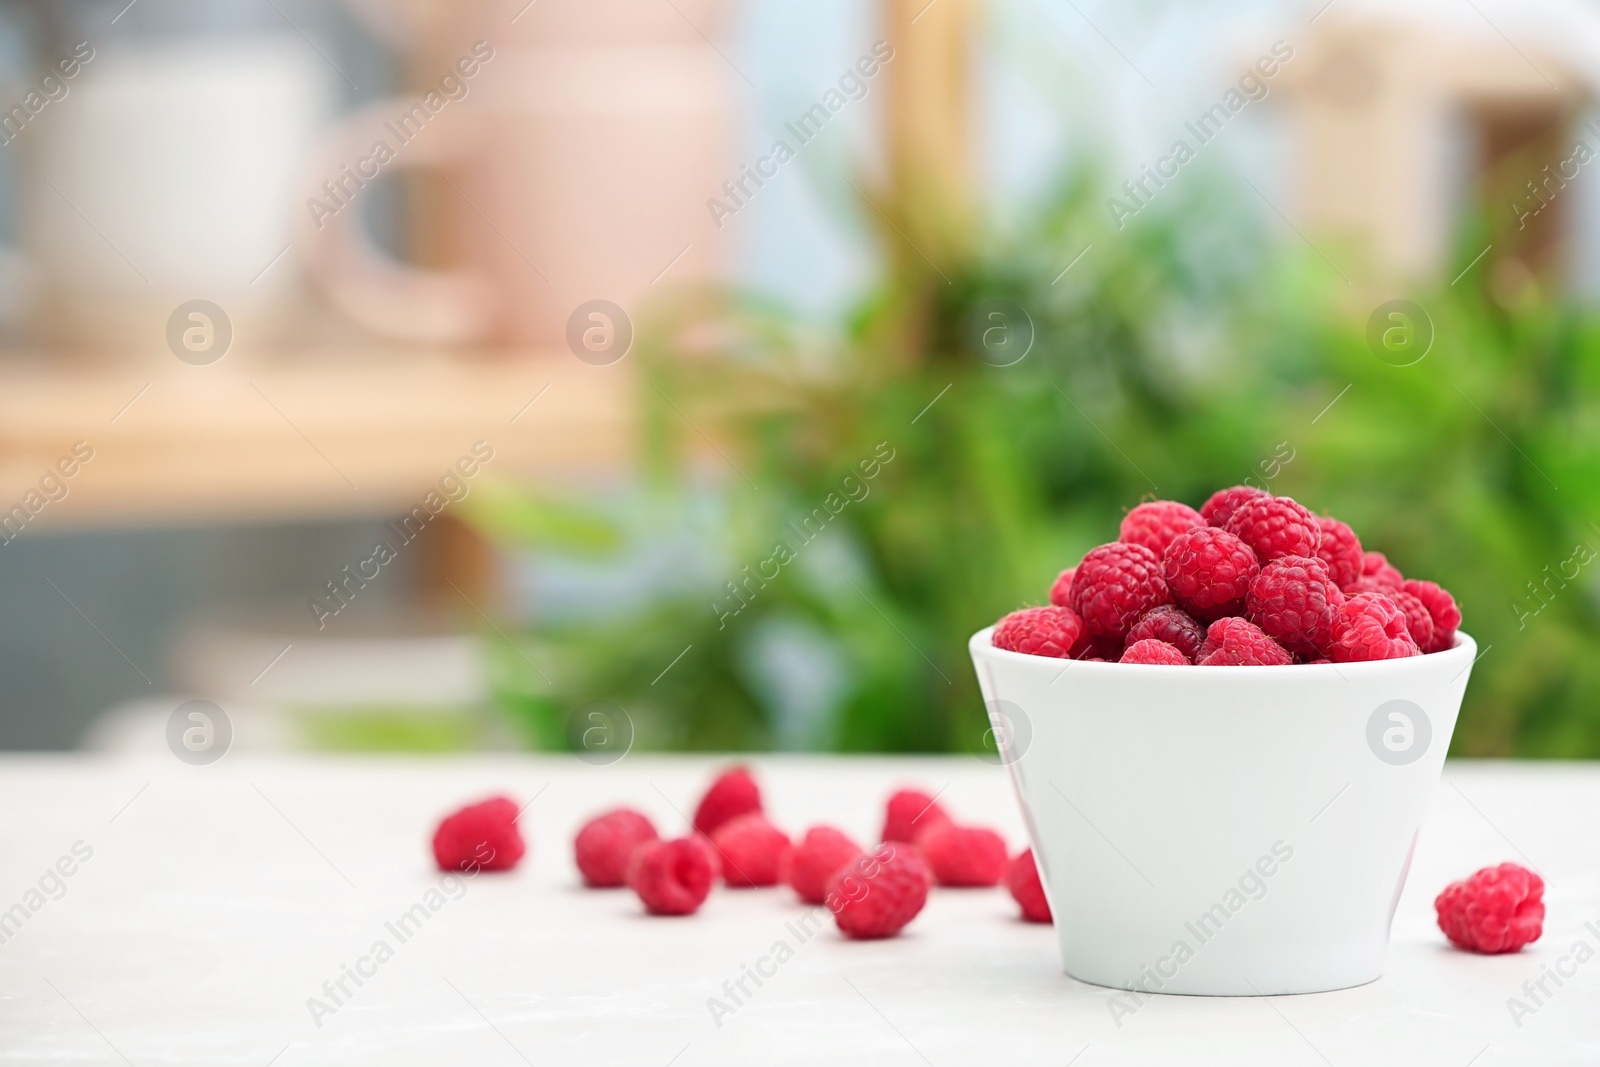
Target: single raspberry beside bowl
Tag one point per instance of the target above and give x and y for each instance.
(1155, 523)
(1156, 653)
(1275, 526)
(1026, 889)
(734, 793)
(1171, 624)
(482, 836)
(1209, 571)
(964, 856)
(1047, 631)
(1370, 626)
(880, 893)
(1114, 585)
(1497, 909)
(606, 843)
(673, 877)
(753, 851)
(1224, 502)
(1061, 588)
(1340, 549)
(822, 853)
(1236, 642)
(908, 813)
(1293, 600)
(1442, 607)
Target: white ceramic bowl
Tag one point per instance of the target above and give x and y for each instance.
(1223, 830)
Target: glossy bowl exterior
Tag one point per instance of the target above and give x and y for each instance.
(1223, 830)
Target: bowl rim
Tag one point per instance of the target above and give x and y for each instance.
(1464, 649)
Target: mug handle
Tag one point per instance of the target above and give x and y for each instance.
(454, 306)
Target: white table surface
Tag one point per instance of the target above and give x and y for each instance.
(218, 899)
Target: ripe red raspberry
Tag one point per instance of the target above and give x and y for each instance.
(1155, 523)
(1114, 585)
(908, 813)
(1293, 601)
(1220, 508)
(1026, 889)
(1370, 626)
(1235, 642)
(878, 894)
(1340, 549)
(1048, 631)
(1441, 607)
(1497, 909)
(1375, 566)
(673, 877)
(964, 856)
(734, 793)
(1061, 588)
(823, 853)
(1209, 571)
(482, 836)
(753, 851)
(1154, 652)
(1276, 526)
(606, 843)
(1418, 622)
(1171, 624)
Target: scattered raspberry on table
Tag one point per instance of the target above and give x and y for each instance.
(673, 877)
(1026, 889)
(606, 843)
(482, 836)
(734, 793)
(908, 813)
(964, 856)
(1497, 909)
(822, 853)
(877, 896)
(753, 851)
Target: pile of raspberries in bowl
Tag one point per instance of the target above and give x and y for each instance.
(1249, 580)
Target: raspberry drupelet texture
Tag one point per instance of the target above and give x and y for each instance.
(604, 846)
(482, 836)
(1220, 508)
(880, 893)
(1375, 567)
(1236, 642)
(1047, 631)
(1171, 624)
(1061, 588)
(1155, 523)
(964, 856)
(1155, 653)
(1208, 572)
(734, 793)
(1340, 549)
(1026, 889)
(1275, 526)
(753, 851)
(822, 853)
(1419, 623)
(1114, 585)
(1497, 909)
(673, 877)
(1370, 626)
(1293, 600)
(908, 813)
(1441, 607)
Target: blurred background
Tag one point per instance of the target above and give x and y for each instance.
(698, 374)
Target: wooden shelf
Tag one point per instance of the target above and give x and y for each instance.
(298, 436)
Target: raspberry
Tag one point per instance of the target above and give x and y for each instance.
(908, 813)
(1418, 622)
(673, 877)
(753, 851)
(1497, 909)
(1376, 567)
(1369, 626)
(1170, 624)
(606, 843)
(1114, 585)
(1293, 601)
(823, 853)
(877, 895)
(1049, 631)
(1154, 652)
(1026, 889)
(1441, 607)
(481, 836)
(1340, 549)
(1209, 571)
(1235, 642)
(1061, 588)
(733, 793)
(964, 856)
(1275, 526)
(1104, 649)
(1220, 508)
(1154, 524)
